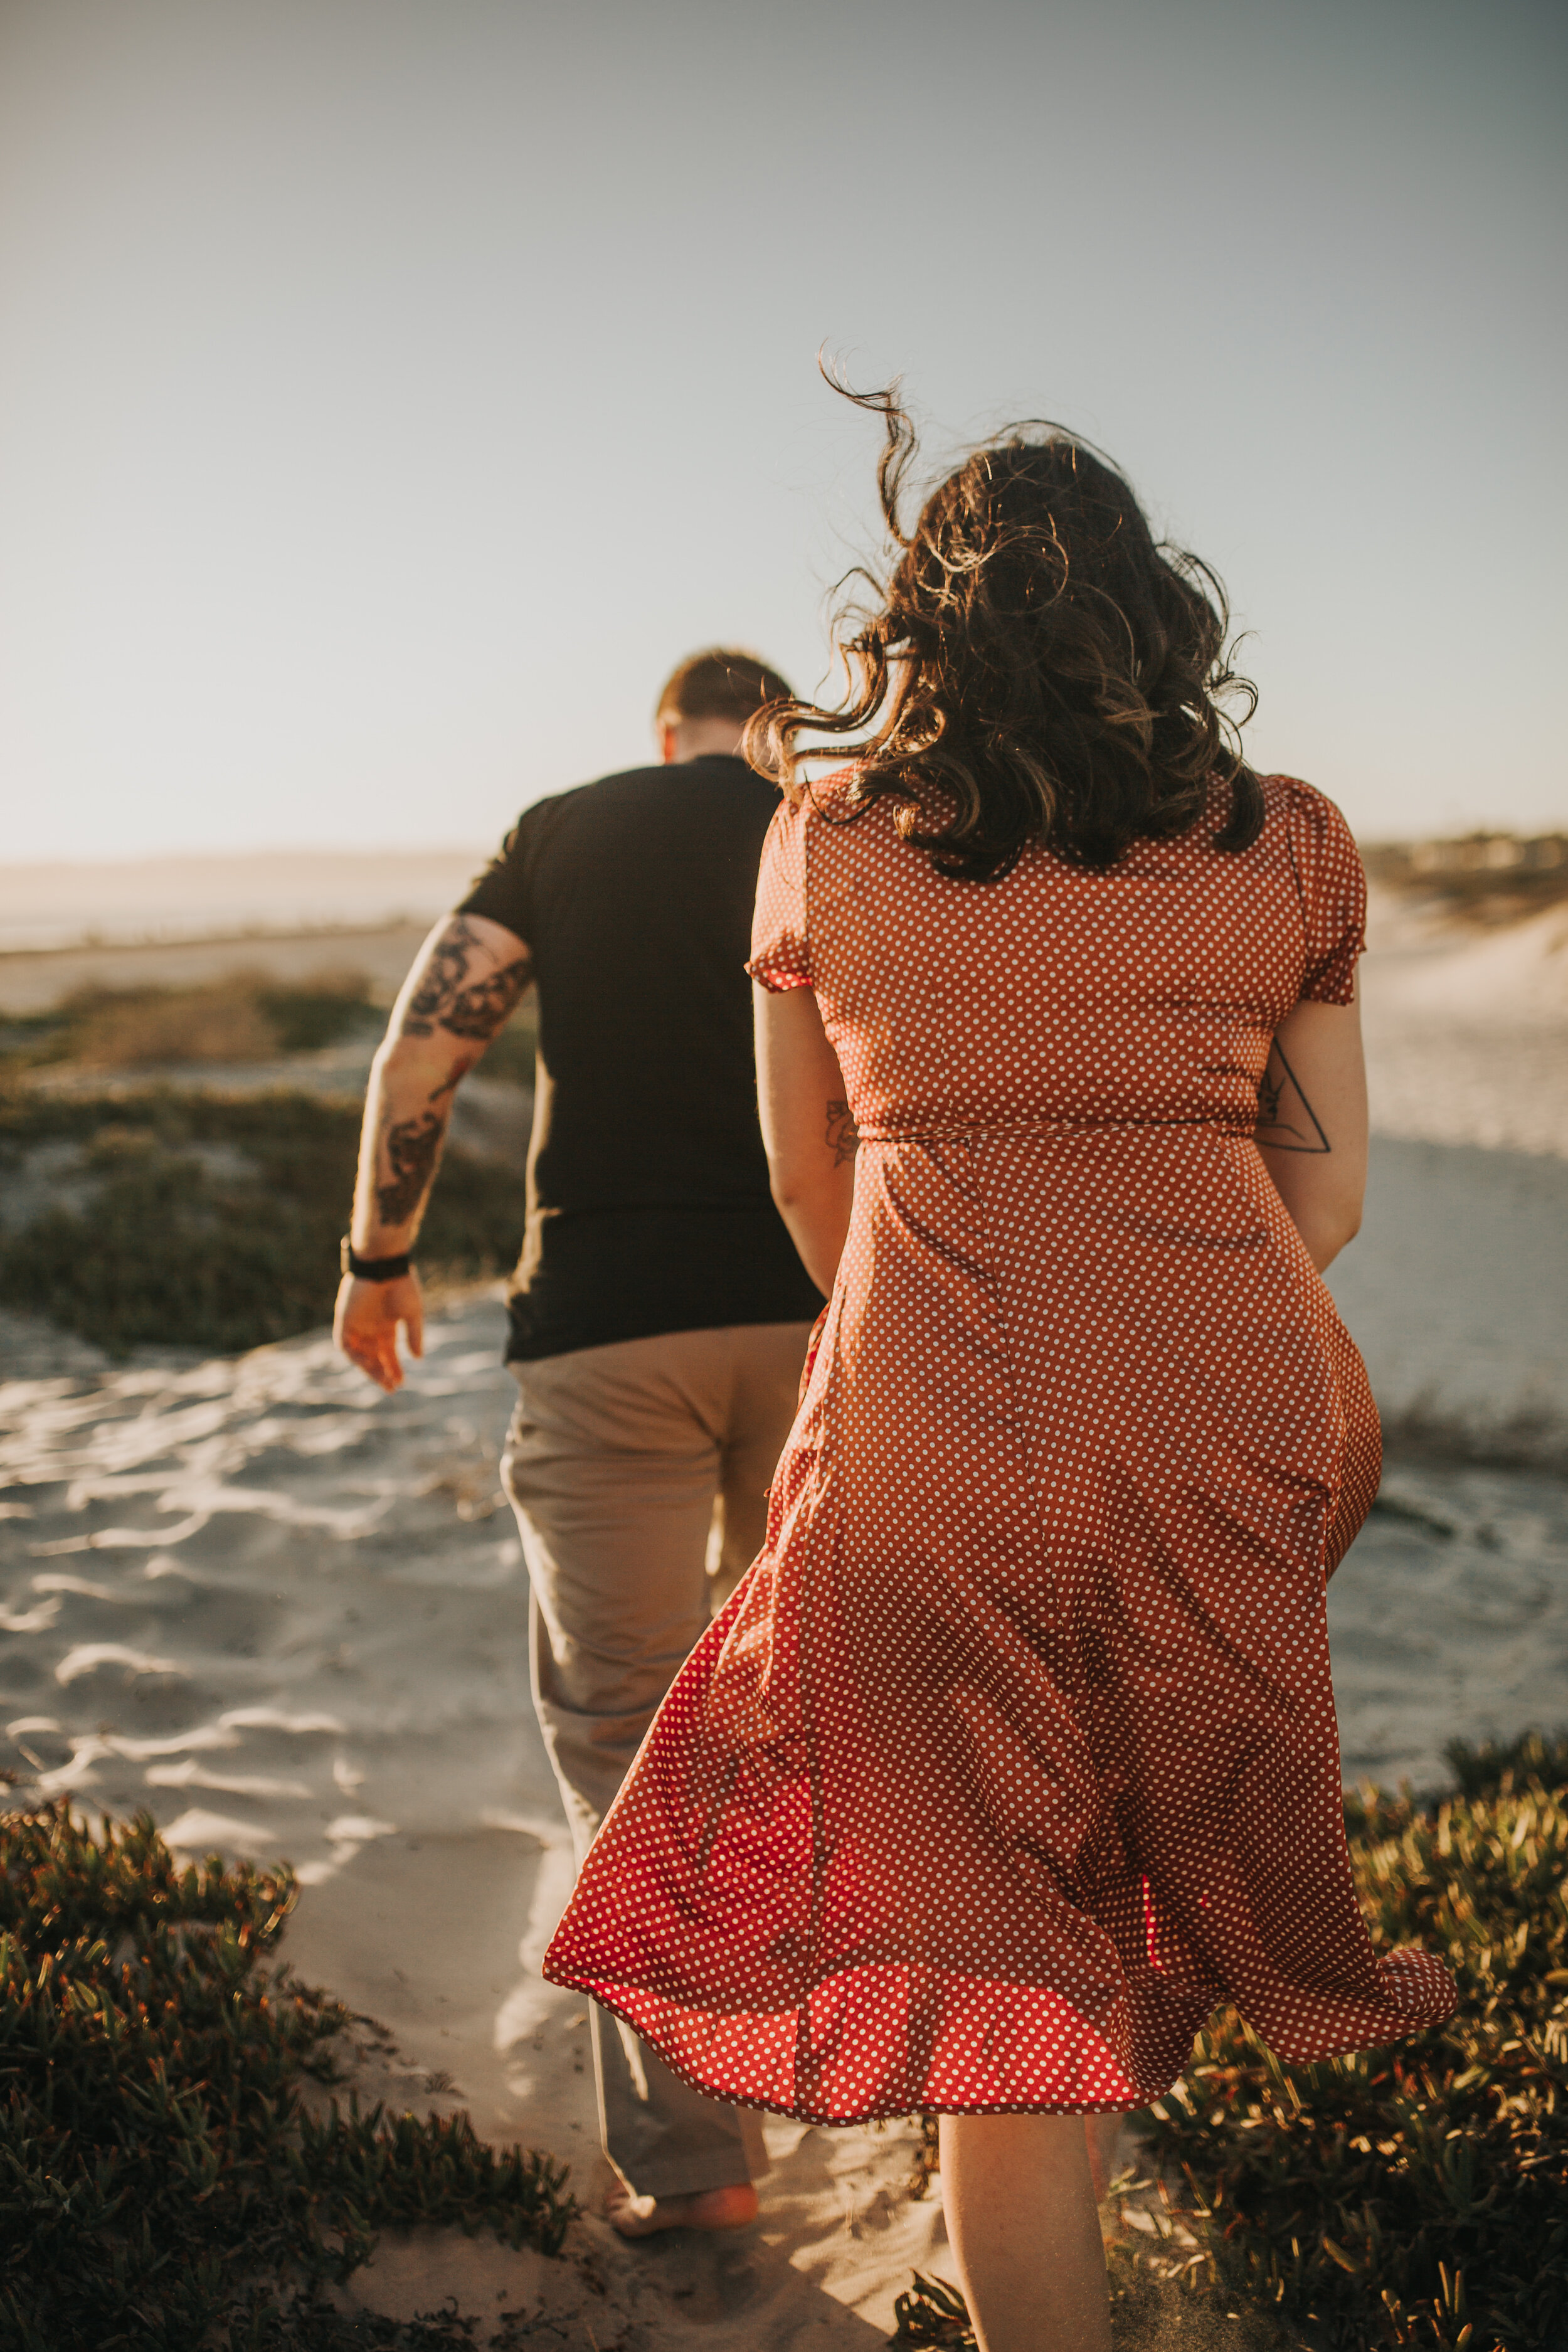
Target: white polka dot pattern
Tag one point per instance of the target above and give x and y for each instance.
(1015, 1752)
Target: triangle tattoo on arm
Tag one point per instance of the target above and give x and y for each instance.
(1286, 1120)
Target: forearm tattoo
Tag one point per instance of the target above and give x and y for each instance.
(447, 999)
(843, 1135)
(410, 1148)
(1286, 1120)
(462, 992)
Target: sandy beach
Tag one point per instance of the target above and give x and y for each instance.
(288, 1616)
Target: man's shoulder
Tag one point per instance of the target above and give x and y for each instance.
(650, 795)
(676, 780)
(599, 793)
(544, 820)
(547, 810)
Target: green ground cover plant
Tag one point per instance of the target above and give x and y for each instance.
(1416, 2195)
(1410, 2196)
(166, 2185)
(163, 2181)
(212, 1220)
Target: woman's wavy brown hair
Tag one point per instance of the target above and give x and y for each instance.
(1044, 670)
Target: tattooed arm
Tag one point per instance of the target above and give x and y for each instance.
(465, 981)
(806, 1127)
(1312, 1124)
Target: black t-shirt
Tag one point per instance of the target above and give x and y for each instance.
(649, 1207)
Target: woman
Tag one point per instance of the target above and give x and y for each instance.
(1015, 1752)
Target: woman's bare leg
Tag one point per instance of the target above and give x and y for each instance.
(1021, 2212)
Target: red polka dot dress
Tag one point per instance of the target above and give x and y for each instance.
(1015, 1751)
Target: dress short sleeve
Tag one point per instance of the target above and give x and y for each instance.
(779, 958)
(1333, 884)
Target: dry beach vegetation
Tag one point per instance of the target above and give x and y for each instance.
(165, 2173)
(145, 1209)
(170, 2182)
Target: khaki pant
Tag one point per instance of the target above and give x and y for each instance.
(639, 1472)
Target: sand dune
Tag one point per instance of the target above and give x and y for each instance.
(1467, 1032)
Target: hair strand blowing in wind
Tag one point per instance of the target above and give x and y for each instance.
(1037, 667)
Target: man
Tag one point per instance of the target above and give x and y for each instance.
(658, 1315)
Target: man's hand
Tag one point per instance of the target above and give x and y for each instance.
(365, 1325)
(465, 981)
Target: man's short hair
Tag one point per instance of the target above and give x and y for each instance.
(724, 682)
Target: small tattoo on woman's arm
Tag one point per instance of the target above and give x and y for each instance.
(843, 1135)
(1286, 1120)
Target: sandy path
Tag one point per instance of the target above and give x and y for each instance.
(289, 1616)
(1456, 1291)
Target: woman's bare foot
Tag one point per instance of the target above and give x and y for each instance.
(706, 2208)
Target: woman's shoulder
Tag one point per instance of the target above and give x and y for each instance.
(824, 799)
(817, 812)
(1303, 831)
(1290, 800)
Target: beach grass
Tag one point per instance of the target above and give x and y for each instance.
(209, 1220)
(1416, 2196)
(244, 1016)
(165, 2182)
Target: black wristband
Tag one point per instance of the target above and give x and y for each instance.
(371, 1269)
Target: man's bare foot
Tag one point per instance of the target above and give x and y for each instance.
(706, 2208)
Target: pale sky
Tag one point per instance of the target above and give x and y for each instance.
(394, 390)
